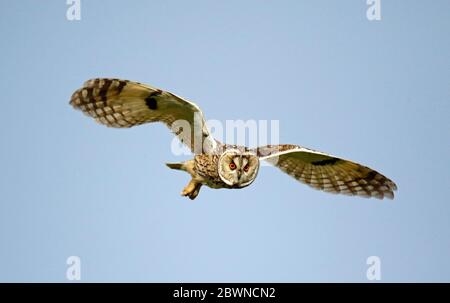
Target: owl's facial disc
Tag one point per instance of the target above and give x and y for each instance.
(238, 169)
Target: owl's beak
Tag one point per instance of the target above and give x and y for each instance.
(239, 172)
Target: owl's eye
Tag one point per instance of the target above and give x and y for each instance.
(232, 166)
(246, 167)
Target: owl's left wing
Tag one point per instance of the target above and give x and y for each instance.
(326, 172)
(123, 103)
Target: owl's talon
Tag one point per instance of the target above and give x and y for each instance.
(191, 190)
(195, 192)
(185, 192)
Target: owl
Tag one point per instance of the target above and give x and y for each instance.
(123, 103)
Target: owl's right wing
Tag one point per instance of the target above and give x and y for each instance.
(328, 173)
(123, 103)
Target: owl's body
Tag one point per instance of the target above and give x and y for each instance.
(204, 169)
(213, 170)
(122, 103)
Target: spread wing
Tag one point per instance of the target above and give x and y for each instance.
(123, 103)
(326, 172)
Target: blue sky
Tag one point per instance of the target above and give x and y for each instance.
(374, 92)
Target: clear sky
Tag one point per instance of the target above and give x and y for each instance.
(376, 92)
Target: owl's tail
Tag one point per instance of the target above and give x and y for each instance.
(175, 166)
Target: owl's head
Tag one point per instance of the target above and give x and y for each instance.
(238, 169)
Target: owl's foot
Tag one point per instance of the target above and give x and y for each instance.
(191, 190)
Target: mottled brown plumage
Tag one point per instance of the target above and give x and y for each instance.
(123, 103)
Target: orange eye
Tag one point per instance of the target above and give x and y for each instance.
(246, 167)
(232, 166)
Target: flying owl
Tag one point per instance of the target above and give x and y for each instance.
(123, 103)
